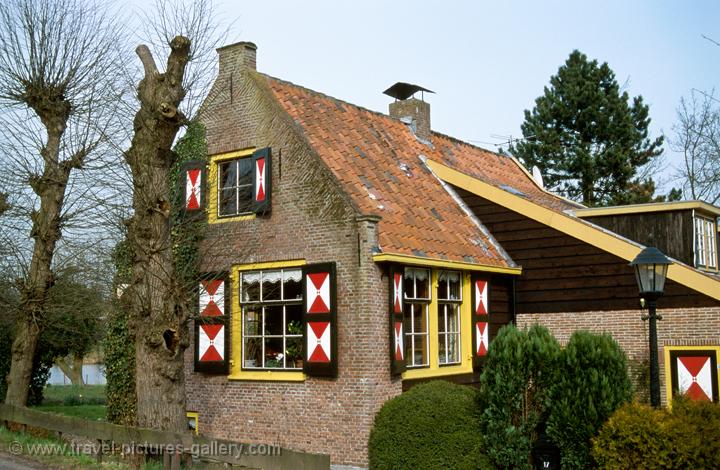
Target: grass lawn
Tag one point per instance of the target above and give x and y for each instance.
(74, 395)
(87, 402)
(91, 412)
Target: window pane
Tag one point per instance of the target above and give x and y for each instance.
(274, 320)
(453, 349)
(441, 349)
(441, 317)
(409, 284)
(274, 356)
(454, 286)
(271, 281)
(228, 174)
(293, 319)
(420, 325)
(253, 352)
(253, 320)
(246, 173)
(420, 354)
(294, 352)
(244, 199)
(251, 287)
(422, 284)
(292, 286)
(227, 204)
(442, 285)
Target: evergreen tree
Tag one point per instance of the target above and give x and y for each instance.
(587, 137)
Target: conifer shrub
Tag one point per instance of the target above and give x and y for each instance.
(514, 392)
(592, 382)
(433, 425)
(638, 436)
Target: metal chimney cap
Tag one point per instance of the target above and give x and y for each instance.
(403, 91)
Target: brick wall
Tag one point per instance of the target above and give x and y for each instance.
(310, 220)
(679, 327)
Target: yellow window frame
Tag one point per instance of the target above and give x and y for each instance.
(668, 365)
(236, 371)
(194, 415)
(213, 164)
(435, 369)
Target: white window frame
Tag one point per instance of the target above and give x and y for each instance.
(237, 186)
(410, 303)
(449, 305)
(262, 305)
(705, 236)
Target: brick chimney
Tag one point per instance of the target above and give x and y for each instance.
(414, 112)
(237, 56)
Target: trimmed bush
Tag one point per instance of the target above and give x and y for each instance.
(592, 382)
(433, 425)
(514, 392)
(637, 436)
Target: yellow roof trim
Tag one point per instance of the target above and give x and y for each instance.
(573, 227)
(441, 263)
(651, 207)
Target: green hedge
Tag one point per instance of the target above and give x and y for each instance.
(637, 436)
(592, 382)
(433, 425)
(514, 392)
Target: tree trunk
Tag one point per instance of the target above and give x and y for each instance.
(158, 316)
(50, 187)
(23, 351)
(73, 369)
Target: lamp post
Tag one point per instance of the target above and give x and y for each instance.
(651, 267)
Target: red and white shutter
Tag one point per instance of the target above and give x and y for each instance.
(320, 314)
(397, 333)
(262, 180)
(480, 319)
(694, 374)
(192, 181)
(211, 335)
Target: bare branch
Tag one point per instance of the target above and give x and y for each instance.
(147, 60)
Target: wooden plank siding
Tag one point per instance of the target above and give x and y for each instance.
(565, 274)
(671, 232)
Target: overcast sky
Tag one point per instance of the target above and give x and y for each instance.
(486, 61)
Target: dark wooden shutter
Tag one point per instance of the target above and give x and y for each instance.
(192, 181)
(480, 319)
(320, 315)
(694, 374)
(211, 326)
(262, 180)
(397, 325)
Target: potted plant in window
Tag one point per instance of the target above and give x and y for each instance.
(294, 346)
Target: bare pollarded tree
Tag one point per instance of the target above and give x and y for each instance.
(157, 299)
(57, 113)
(697, 138)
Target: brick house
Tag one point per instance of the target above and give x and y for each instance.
(350, 254)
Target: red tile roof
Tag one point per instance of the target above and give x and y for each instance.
(377, 160)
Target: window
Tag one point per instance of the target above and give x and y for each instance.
(449, 300)
(705, 243)
(415, 309)
(437, 322)
(235, 182)
(271, 303)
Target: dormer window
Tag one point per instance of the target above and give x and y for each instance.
(705, 243)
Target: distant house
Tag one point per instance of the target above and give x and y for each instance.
(351, 254)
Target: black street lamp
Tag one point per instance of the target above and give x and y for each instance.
(651, 267)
